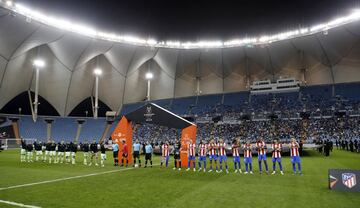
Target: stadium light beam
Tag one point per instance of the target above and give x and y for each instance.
(97, 73)
(38, 63)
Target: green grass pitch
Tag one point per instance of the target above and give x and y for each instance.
(155, 187)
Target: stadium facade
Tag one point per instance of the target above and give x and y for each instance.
(326, 57)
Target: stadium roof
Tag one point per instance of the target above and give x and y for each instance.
(326, 57)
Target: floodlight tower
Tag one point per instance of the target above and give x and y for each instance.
(97, 73)
(38, 64)
(148, 77)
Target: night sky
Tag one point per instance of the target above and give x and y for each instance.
(197, 19)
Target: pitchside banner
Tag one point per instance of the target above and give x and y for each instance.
(344, 180)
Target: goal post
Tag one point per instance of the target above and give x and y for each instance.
(12, 143)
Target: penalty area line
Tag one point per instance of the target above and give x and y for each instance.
(18, 204)
(65, 179)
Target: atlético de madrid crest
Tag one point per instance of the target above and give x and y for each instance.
(349, 179)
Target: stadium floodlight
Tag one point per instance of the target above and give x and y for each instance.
(39, 63)
(151, 42)
(97, 72)
(149, 75)
(9, 3)
(130, 39)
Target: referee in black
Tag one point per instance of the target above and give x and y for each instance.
(177, 148)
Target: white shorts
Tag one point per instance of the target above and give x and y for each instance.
(73, 154)
(23, 151)
(47, 152)
(39, 152)
(86, 154)
(60, 153)
(103, 156)
(67, 154)
(52, 153)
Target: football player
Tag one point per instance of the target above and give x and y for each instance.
(38, 151)
(94, 153)
(85, 148)
(202, 154)
(222, 155)
(276, 156)
(61, 152)
(261, 148)
(103, 154)
(295, 156)
(67, 152)
(236, 156)
(165, 154)
(248, 157)
(73, 149)
(47, 150)
(213, 154)
(23, 151)
(52, 154)
(29, 152)
(191, 155)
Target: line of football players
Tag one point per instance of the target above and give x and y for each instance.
(216, 151)
(62, 152)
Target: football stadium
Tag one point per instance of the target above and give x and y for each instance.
(179, 104)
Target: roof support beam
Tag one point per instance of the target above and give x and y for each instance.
(329, 64)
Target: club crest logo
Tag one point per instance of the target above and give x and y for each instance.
(148, 114)
(349, 179)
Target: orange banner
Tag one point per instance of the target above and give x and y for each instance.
(189, 133)
(123, 131)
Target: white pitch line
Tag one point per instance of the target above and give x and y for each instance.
(18, 204)
(64, 179)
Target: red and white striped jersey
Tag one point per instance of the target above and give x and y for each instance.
(261, 147)
(277, 150)
(294, 149)
(165, 150)
(202, 149)
(212, 147)
(247, 150)
(235, 150)
(222, 151)
(191, 149)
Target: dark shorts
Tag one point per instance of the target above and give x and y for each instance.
(136, 154)
(115, 154)
(177, 156)
(125, 155)
(148, 156)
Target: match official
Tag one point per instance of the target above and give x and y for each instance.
(136, 153)
(115, 148)
(148, 154)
